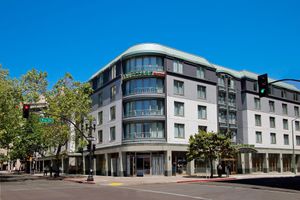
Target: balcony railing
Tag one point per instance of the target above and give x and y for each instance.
(145, 90)
(145, 68)
(144, 135)
(150, 112)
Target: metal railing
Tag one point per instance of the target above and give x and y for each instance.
(143, 135)
(145, 90)
(145, 68)
(146, 112)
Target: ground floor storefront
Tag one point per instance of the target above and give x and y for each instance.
(170, 160)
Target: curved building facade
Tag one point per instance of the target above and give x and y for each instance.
(151, 98)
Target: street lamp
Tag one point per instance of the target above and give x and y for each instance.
(293, 141)
(90, 126)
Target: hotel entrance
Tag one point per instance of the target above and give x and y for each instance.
(143, 164)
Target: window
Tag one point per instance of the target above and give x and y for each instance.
(284, 109)
(101, 80)
(144, 86)
(231, 83)
(202, 128)
(112, 133)
(285, 124)
(113, 73)
(257, 103)
(283, 93)
(100, 99)
(286, 139)
(296, 110)
(178, 87)
(179, 130)
(100, 118)
(113, 93)
(258, 137)
(177, 67)
(273, 138)
(201, 92)
(272, 122)
(202, 112)
(200, 72)
(221, 81)
(297, 125)
(143, 130)
(255, 84)
(298, 140)
(100, 136)
(295, 97)
(222, 97)
(145, 63)
(271, 106)
(113, 113)
(231, 100)
(257, 120)
(232, 118)
(178, 109)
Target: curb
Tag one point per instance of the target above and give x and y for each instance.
(207, 180)
(80, 181)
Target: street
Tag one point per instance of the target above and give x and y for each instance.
(57, 189)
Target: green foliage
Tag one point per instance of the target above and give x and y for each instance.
(71, 100)
(34, 84)
(10, 113)
(209, 146)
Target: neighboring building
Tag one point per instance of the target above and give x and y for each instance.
(151, 98)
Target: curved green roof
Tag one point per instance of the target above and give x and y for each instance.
(160, 49)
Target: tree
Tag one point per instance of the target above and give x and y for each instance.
(34, 85)
(210, 146)
(71, 100)
(10, 112)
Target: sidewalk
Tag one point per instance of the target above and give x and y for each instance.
(117, 181)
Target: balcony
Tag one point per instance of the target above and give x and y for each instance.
(144, 137)
(145, 90)
(140, 113)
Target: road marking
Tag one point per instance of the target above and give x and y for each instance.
(166, 193)
(115, 184)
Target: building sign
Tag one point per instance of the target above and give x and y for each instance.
(143, 74)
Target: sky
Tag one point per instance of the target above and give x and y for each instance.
(80, 37)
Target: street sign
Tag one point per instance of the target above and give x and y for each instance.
(91, 139)
(46, 120)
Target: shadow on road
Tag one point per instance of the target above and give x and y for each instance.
(292, 183)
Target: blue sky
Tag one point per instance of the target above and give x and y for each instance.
(80, 37)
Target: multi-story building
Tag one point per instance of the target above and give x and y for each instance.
(151, 98)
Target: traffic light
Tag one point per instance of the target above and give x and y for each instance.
(88, 146)
(26, 108)
(263, 85)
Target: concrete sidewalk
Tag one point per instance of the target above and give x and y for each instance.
(117, 181)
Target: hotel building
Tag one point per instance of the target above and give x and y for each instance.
(151, 98)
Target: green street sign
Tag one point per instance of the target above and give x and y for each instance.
(46, 120)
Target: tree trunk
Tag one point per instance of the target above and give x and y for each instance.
(211, 168)
(56, 172)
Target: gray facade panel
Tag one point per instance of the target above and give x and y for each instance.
(191, 70)
(106, 94)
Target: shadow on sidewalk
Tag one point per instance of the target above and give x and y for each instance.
(292, 183)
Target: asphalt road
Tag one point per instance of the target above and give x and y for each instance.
(63, 190)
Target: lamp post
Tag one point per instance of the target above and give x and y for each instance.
(293, 141)
(90, 126)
